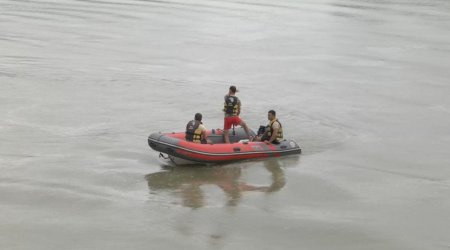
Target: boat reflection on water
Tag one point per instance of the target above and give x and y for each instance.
(191, 182)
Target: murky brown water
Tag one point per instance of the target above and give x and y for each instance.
(361, 85)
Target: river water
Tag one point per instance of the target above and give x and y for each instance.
(361, 85)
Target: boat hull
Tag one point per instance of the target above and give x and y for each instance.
(174, 145)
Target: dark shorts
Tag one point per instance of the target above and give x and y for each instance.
(266, 138)
(229, 121)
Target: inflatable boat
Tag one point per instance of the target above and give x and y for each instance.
(180, 151)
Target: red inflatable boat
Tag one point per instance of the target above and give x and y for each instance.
(181, 151)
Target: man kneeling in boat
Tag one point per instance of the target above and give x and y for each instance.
(273, 132)
(196, 131)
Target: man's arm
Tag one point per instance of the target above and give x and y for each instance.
(239, 107)
(203, 129)
(204, 136)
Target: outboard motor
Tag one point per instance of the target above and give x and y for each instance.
(261, 130)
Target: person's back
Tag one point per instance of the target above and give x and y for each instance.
(232, 106)
(195, 130)
(232, 109)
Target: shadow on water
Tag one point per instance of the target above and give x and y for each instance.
(188, 181)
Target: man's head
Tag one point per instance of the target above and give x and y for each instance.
(233, 90)
(198, 117)
(271, 115)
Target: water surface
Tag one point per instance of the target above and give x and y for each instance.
(361, 85)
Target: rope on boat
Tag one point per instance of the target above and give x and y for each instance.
(168, 157)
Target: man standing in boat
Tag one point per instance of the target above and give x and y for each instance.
(196, 131)
(232, 109)
(274, 131)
